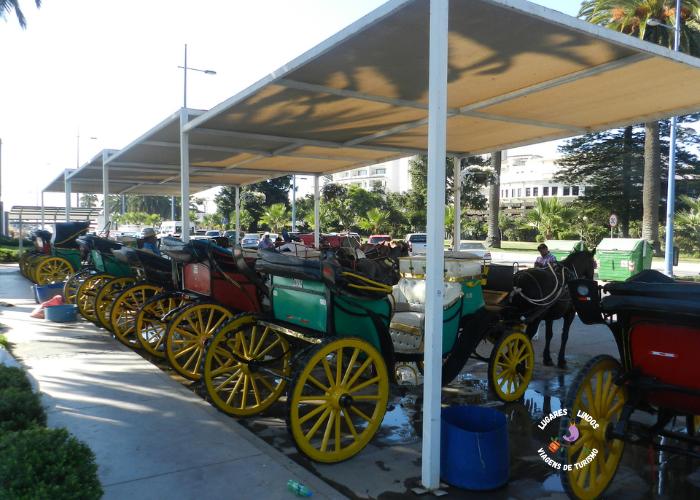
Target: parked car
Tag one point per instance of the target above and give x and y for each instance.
(213, 233)
(250, 240)
(376, 239)
(230, 234)
(476, 248)
(417, 243)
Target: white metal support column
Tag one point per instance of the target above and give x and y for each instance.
(317, 214)
(185, 175)
(105, 190)
(43, 212)
(671, 191)
(457, 187)
(238, 214)
(68, 193)
(437, 126)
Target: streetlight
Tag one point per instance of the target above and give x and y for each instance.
(671, 192)
(185, 69)
(183, 209)
(294, 201)
(77, 162)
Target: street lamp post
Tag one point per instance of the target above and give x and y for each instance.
(294, 201)
(77, 162)
(184, 150)
(185, 69)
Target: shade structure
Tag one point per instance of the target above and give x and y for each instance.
(491, 74)
(150, 165)
(33, 214)
(518, 74)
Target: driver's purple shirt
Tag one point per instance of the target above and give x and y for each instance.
(546, 260)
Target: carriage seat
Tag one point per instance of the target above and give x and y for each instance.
(409, 295)
(408, 322)
(288, 266)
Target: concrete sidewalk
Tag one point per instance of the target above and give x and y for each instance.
(153, 438)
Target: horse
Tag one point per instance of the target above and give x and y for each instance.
(547, 288)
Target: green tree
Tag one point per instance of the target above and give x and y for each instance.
(375, 221)
(633, 17)
(475, 176)
(7, 6)
(548, 216)
(88, 200)
(275, 217)
(688, 225)
(493, 239)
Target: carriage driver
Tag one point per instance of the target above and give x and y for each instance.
(545, 258)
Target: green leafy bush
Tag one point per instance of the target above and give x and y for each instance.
(13, 377)
(3, 340)
(8, 255)
(20, 409)
(47, 463)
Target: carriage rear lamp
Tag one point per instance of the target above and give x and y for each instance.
(582, 290)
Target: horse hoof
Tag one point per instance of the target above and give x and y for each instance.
(562, 364)
(547, 362)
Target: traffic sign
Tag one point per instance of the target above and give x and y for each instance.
(613, 220)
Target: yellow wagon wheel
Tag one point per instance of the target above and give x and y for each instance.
(87, 292)
(187, 333)
(24, 262)
(30, 264)
(70, 289)
(52, 270)
(337, 399)
(123, 313)
(594, 391)
(105, 299)
(152, 322)
(246, 366)
(511, 365)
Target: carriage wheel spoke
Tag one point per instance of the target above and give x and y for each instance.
(327, 431)
(321, 407)
(318, 424)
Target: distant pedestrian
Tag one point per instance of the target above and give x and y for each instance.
(546, 258)
(285, 235)
(266, 242)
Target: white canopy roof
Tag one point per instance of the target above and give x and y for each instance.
(518, 74)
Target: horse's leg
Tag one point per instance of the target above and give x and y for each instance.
(548, 334)
(568, 319)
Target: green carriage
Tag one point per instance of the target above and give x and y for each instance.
(332, 340)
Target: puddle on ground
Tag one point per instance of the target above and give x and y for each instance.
(399, 424)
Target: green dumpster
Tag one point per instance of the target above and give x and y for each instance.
(620, 258)
(561, 249)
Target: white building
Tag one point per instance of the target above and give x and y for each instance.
(526, 177)
(391, 176)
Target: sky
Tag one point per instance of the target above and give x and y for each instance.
(106, 71)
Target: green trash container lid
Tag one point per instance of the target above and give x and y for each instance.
(620, 244)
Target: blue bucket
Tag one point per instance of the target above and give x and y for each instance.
(474, 448)
(42, 293)
(61, 314)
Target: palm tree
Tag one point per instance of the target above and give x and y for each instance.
(276, 216)
(494, 235)
(632, 17)
(376, 221)
(7, 6)
(688, 222)
(548, 216)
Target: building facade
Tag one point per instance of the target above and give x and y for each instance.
(391, 176)
(524, 178)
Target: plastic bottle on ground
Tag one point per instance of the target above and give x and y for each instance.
(298, 489)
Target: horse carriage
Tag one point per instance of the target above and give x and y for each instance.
(52, 262)
(634, 399)
(217, 283)
(332, 338)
